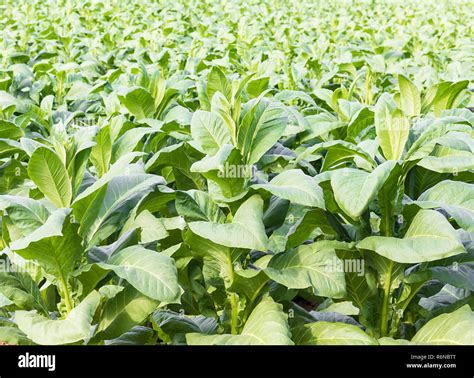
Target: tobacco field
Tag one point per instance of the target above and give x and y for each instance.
(236, 173)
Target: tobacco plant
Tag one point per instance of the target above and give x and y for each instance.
(238, 174)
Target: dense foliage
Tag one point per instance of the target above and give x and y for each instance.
(224, 172)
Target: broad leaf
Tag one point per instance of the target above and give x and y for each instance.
(75, 327)
(326, 333)
(152, 273)
(392, 127)
(355, 189)
(48, 172)
(312, 266)
(296, 187)
(266, 325)
(456, 328)
(430, 237)
(409, 96)
(245, 231)
(209, 131)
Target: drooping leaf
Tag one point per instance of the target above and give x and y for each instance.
(326, 333)
(245, 231)
(309, 265)
(152, 273)
(75, 327)
(430, 237)
(123, 311)
(266, 325)
(296, 187)
(55, 245)
(355, 189)
(456, 328)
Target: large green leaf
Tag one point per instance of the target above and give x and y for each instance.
(355, 189)
(392, 127)
(266, 325)
(25, 213)
(20, 289)
(245, 231)
(107, 209)
(48, 172)
(75, 327)
(55, 245)
(217, 82)
(311, 265)
(209, 131)
(296, 187)
(195, 205)
(153, 274)
(101, 153)
(409, 96)
(448, 160)
(151, 228)
(123, 311)
(261, 127)
(326, 333)
(139, 102)
(456, 328)
(128, 141)
(456, 197)
(8, 130)
(226, 173)
(430, 237)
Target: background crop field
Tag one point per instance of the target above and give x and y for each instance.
(226, 172)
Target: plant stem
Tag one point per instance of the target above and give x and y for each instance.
(235, 314)
(67, 294)
(233, 299)
(386, 300)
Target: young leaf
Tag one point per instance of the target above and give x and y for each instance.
(209, 131)
(392, 127)
(48, 172)
(139, 102)
(410, 97)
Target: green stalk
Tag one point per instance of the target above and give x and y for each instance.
(66, 293)
(233, 299)
(386, 301)
(234, 314)
(388, 277)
